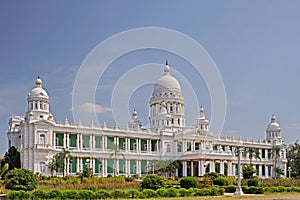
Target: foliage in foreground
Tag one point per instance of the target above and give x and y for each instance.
(153, 181)
(20, 179)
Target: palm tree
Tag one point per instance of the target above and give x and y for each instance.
(61, 158)
(116, 150)
(275, 155)
(53, 165)
(253, 153)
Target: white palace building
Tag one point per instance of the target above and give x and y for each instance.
(112, 150)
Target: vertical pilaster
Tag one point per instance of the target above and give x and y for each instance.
(222, 167)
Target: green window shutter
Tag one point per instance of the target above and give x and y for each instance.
(73, 140)
(132, 143)
(143, 145)
(60, 139)
(122, 143)
(98, 140)
(144, 166)
(86, 141)
(110, 142)
(121, 166)
(110, 165)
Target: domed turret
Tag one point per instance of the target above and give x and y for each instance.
(38, 102)
(273, 131)
(167, 102)
(134, 123)
(202, 122)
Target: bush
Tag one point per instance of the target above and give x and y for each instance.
(39, 194)
(86, 194)
(55, 194)
(171, 192)
(70, 194)
(102, 194)
(220, 181)
(149, 193)
(202, 192)
(118, 193)
(20, 179)
(230, 188)
(188, 182)
(161, 192)
(252, 182)
(255, 190)
(21, 194)
(153, 182)
(212, 175)
(185, 192)
(134, 194)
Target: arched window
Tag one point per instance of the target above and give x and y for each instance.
(42, 167)
(42, 139)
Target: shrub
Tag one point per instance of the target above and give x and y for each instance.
(55, 194)
(185, 192)
(171, 192)
(153, 181)
(134, 194)
(255, 190)
(39, 194)
(86, 194)
(188, 182)
(161, 192)
(212, 175)
(202, 192)
(102, 194)
(21, 194)
(220, 181)
(20, 179)
(149, 193)
(70, 194)
(118, 193)
(252, 182)
(230, 188)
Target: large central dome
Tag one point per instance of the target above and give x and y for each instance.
(167, 81)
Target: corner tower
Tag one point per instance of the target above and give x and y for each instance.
(166, 102)
(273, 130)
(38, 103)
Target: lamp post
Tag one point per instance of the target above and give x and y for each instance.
(239, 190)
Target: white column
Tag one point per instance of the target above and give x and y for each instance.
(233, 169)
(229, 168)
(184, 168)
(54, 140)
(212, 166)
(78, 164)
(105, 167)
(266, 171)
(192, 168)
(222, 167)
(259, 171)
(200, 168)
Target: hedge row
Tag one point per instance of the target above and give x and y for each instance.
(115, 194)
(261, 190)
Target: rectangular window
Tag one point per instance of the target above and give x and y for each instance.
(122, 143)
(60, 139)
(197, 146)
(179, 146)
(153, 145)
(110, 142)
(98, 142)
(143, 145)
(132, 144)
(73, 140)
(188, 146)
(86, 141)
(263, 153)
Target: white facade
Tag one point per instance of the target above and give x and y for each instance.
(39, 137)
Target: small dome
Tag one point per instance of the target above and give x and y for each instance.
(273, 126)
(38, 91)
(167, 81)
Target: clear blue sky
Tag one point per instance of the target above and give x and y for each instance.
(255, 45)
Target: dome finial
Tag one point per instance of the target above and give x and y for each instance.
(167, 68)
(38, 82)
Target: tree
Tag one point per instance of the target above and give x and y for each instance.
(275, 155)
(53, 165)
(153, 181)
(248, 172)
(166, 167)
(253, 153)
(293, 157)
(20, 179)
(61, 159)
(12, 157)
